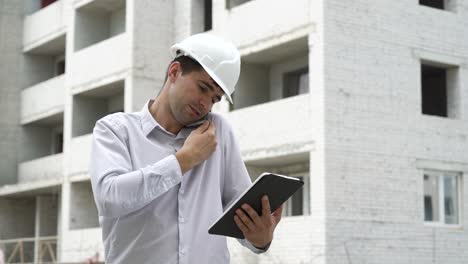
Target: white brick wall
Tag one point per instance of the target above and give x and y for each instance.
(376, 133)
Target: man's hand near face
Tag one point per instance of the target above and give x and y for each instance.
(198, 146)
(258, 230)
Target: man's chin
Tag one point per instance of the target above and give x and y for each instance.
(190, 121)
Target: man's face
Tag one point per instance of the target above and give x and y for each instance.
(192, 95)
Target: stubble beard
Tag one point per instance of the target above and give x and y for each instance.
(179, 112)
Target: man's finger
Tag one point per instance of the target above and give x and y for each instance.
(211, 127)
(241, 225)
(203, 127)
(266, 210)
(278, 211)
(277, 214)
(245, 220)
(253, 215)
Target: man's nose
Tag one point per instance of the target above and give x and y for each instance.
(205, 104)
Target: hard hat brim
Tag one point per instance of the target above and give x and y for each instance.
(218, 81)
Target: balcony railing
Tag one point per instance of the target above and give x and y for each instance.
(272, 122)
(33, 109)
(276, 26)
(46, 168)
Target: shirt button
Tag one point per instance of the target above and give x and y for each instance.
(181, 190)
(181, 220)
(182, 252)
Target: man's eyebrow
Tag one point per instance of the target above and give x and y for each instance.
(211, 88)
(210, 85)
(207, 84)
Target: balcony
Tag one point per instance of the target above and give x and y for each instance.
(284, 19)
(44, 53)
(92, 105)
(100, 63)
(272, 96)
(46, 168)
(42, 129)
(44, 30)
(98, 20)
(272, 122)
(49, 107)
(273, 73)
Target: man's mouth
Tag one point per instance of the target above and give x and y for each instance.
(195, 111)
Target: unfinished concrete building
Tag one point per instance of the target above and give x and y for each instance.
(366, 101)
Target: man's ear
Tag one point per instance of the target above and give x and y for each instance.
(174, 70)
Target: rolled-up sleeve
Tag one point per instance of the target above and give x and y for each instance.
(118, 188)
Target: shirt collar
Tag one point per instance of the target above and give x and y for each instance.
(148, 123)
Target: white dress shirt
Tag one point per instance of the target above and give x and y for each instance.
(148, 211)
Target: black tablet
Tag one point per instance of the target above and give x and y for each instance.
(277, 187)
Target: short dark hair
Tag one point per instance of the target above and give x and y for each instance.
(187, 64)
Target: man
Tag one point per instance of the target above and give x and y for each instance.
(159, 182)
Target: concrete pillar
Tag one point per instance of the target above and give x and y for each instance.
(11, 30)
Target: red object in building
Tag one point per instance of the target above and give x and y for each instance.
(45, 3)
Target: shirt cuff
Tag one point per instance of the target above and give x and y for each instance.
(252, 248)
(265, 248)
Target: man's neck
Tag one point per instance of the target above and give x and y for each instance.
(162, 114)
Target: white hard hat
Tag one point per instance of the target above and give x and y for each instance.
(219, 58)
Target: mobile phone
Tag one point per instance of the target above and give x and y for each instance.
(197, 123)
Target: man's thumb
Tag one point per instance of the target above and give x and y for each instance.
(203, 127)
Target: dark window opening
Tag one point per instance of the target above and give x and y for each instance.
(58, 143)
(45, 3)
(60, 67)
(233, 3)
(434, 90)
(433, 3)
(208, 15)
(296, 82)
